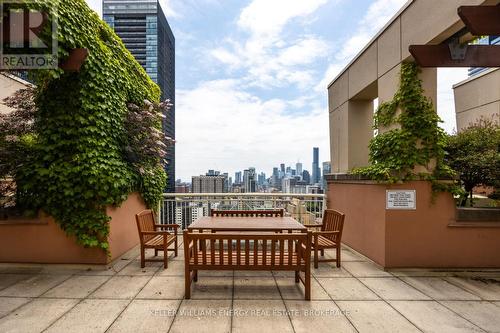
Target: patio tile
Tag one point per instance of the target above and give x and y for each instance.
(375, 316)
(146, 316)
(134, 268)
(6, 280)
(203, 316)
(109, 271)
(291, 290)
(327, 269)
(364, 269)
(163, 287)
(214, 273)
(76, 287)
(34, 285)
(124, 287)
(439, 289)
(260, 316)
(119, 264)
(7, 304)
(346, 255)
(317, 316)
(20, 269)
(264, 274)
(35, 316)
(175, 268)
(346, 289)
(212, 288)
(256, 288)
(486, 288)
(430, 316)
(420, 272)
(484, 314)
(393, 288)
(91, 315)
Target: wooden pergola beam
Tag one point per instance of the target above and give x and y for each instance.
(481, 20)
(440, 56)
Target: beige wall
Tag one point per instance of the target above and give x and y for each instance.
(476, 97)
(42, 240)
(373, 72)
(425, 237)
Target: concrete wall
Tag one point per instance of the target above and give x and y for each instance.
(425, 237)
(476, 97)
(373, 73)
(42, 240)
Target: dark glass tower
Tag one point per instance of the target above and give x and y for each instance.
(316, 173)
(143, 28)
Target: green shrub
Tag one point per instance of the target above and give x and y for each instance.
(475, 155)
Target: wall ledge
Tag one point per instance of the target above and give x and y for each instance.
(476, 215)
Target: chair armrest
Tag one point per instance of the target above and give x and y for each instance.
(167, 226)
(325, 232)
(313, 225)
(175, 226)
(155, 233)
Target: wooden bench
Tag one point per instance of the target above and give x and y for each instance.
(239, 251)
(247, 213)
(152, 237)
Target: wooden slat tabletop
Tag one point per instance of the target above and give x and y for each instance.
(218, 223)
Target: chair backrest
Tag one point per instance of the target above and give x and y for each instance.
(244, 251)
(247, 213)
(145, 222)
(333, 221)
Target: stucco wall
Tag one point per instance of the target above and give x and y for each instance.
(42, 241)
(411, 238)
(476, 97)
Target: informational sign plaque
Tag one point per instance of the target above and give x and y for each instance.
(401, 199)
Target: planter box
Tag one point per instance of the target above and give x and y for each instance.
(42, 241)
(425, 237)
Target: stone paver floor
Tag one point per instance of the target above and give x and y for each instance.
(359, 297)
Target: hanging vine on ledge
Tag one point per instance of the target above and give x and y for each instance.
(96, 133)
(416, 140)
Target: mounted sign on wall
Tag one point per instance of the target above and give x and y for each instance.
(401, 199)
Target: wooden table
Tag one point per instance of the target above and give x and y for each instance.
(222, 223)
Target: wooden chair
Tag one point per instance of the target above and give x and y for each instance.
(329, 236)
(152, 237)
(247, 213)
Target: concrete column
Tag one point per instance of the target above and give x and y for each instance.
(350, 133)
(360, 132)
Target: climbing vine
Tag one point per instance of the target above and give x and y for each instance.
(416, 139)
(82, 160)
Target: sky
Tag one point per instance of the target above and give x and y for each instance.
(252, 76)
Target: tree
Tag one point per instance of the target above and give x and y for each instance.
(474, 153)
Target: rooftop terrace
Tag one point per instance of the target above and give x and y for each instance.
(358, 297)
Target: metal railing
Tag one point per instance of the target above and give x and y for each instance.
(184, 208)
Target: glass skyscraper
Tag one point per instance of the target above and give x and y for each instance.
(316, 172)
(143, 28)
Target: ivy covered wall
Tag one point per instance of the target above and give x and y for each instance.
(412, 147)
(79, 166)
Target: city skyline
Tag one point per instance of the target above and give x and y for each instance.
(253, 84)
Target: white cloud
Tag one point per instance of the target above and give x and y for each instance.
(267, 56)
(232, 130)
(264, 18)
